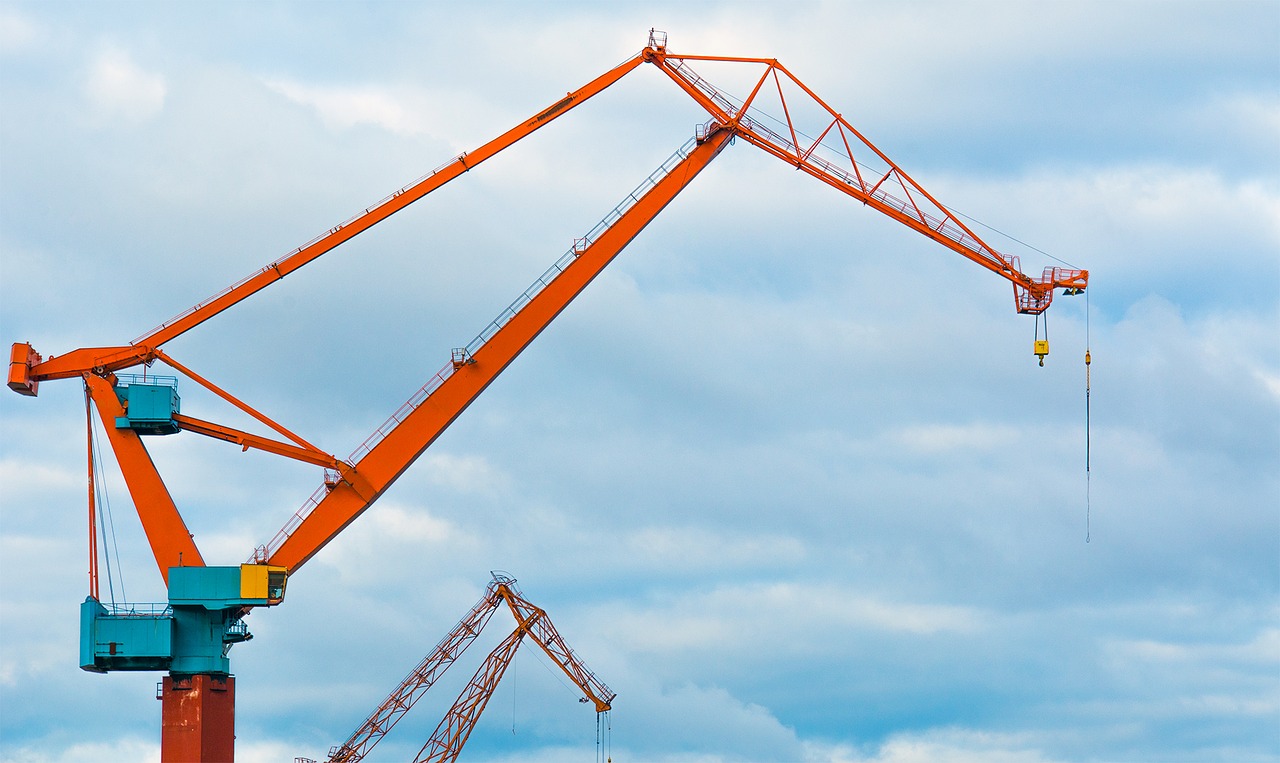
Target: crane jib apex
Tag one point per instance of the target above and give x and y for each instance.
(190, 635)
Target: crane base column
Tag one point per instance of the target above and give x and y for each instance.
(198, 719)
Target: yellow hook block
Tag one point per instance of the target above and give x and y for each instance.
(1041, 349)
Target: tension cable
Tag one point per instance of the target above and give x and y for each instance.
(98, 484)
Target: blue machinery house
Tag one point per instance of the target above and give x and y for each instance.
(194, 631)
(191, 634)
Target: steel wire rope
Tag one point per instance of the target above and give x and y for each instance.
(836, 149)
(604, 752)
(1088, 359)
(1088, 432)
(559, 676)
(1011, 238)
(515, 682)
(105, 516)
(556, 674)
(756, 110)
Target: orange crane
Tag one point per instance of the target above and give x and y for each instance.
(452, 732)
(190, 635)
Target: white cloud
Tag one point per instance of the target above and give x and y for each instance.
(346, 107)
(950, 745)
(17, 32)
(757, 619)
(86, 752)
(464, 473)
(29, 480)
(458, 118)
(975, 438)
(119, 90)
(688, 723)
(738, 473)
(691, 548)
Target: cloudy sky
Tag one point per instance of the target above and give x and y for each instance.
(786, 476)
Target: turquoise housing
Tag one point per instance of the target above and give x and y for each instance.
(123, 638)
(149, 405)
(192, 634)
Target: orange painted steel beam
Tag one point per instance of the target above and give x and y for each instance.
(108, 359)
(447, 739)
(171, 542)
(404, 439)
(548, 639)
(379, 211)
(248, 440)
(451, 734)
(919, 210)
(89, 360)
(215, 389)
(93, 497)
(418, 428)
(455, 727)
(419, 680)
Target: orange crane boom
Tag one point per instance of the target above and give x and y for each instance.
(455, 728)
(838, 156)
(208, 603)
(421, 420)
(839, 163)
(451, 734)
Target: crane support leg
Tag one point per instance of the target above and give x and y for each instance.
(198, 719)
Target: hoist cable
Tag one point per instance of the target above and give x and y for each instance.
(604, 737)
(1011, 238)
(105, 520)
(1088, 508)
(515, 681)
(555, 673)
(92, 490)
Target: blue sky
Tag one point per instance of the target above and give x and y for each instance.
(786, 476)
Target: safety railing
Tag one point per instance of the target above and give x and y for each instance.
(124, 380)
(149, 610)
(752, 122)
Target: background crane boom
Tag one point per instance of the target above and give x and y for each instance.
(455, 727)
(421, 678)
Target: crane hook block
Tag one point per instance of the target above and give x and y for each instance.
(1041, 349)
